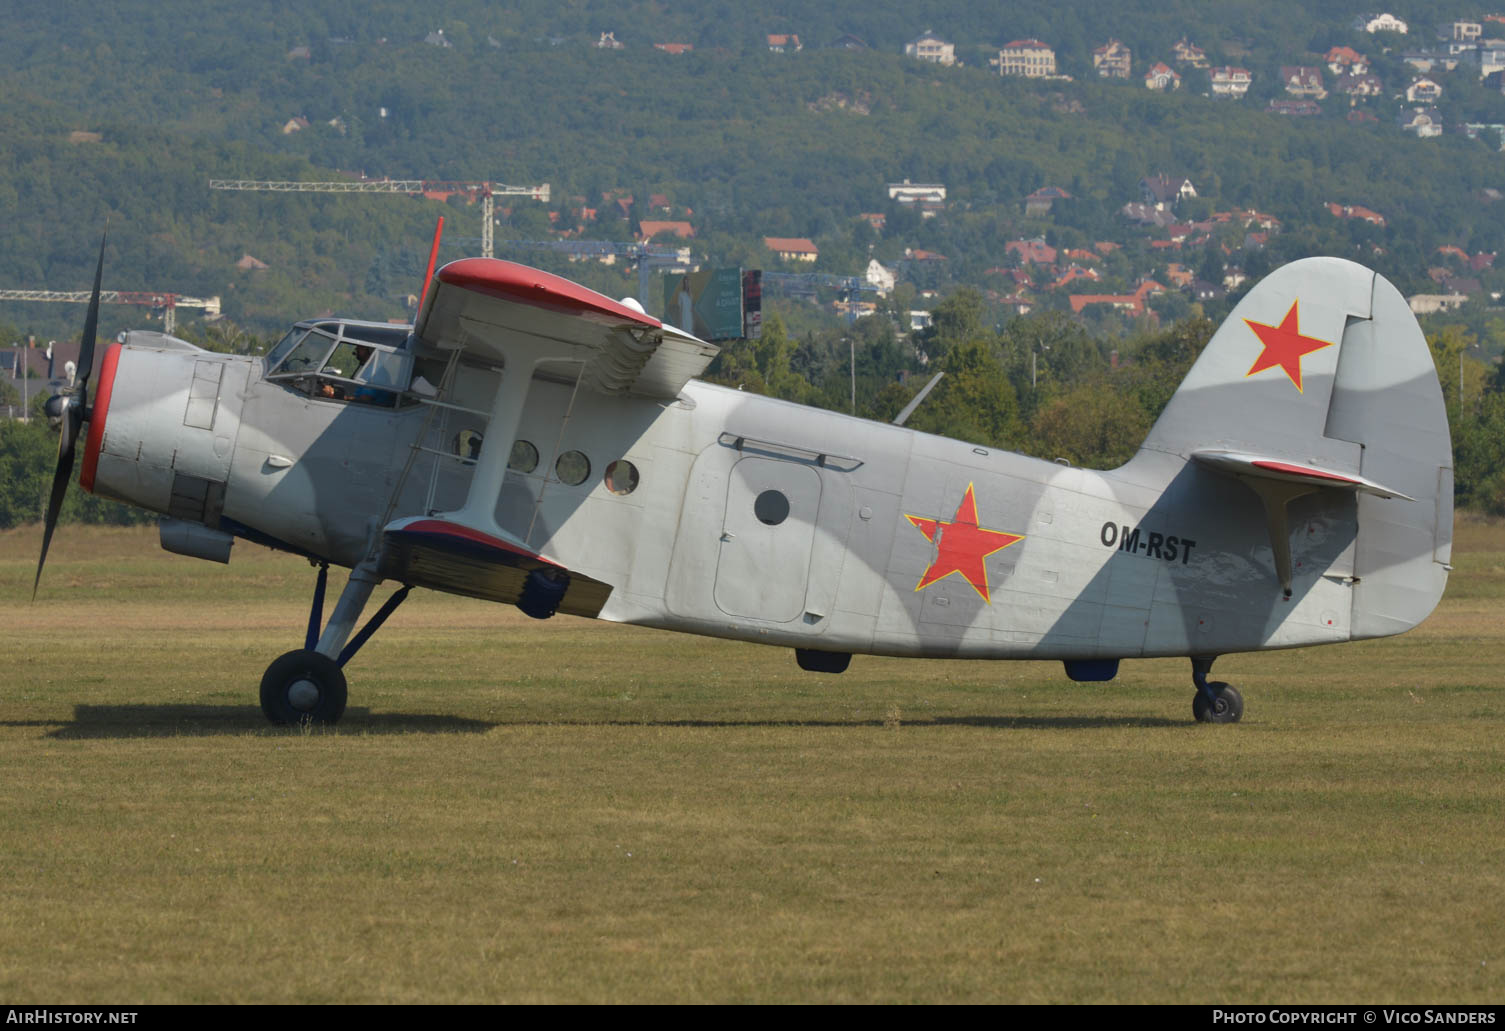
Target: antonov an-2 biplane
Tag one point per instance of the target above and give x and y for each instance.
(532, 442)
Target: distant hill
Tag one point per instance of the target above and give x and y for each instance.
(128, 110)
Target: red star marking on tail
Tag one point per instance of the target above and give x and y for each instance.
(962, 546)
(1284, 345)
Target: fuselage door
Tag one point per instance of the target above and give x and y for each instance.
(766, 537)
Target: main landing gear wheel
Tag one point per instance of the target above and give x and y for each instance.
(303, 687)
(1225, 705)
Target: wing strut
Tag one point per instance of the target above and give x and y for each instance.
(1277, 496)
(479, 510)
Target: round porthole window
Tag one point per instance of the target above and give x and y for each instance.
(572, 468)
(771, 507)
(524, 457)
(621, 477)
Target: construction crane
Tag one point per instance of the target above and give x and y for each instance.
(847, 286)
(484, 191)
(166, 303)
(647, 256)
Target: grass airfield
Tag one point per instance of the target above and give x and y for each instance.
(571, 811)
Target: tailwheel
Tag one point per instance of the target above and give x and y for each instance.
(1215, 701)
(303, 686)
(1218, 703)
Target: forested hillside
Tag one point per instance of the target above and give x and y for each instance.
(125, 112)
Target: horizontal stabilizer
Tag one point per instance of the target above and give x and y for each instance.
(1287, 471)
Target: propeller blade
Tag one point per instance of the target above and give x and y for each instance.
(91, 320)
(67, 435)
(72, 418)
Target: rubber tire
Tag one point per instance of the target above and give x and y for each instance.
(1227, 705)
(298, 665)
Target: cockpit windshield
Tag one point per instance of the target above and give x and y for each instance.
(343, 360)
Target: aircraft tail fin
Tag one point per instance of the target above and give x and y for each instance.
(1320, 381)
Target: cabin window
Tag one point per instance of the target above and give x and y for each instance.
(621, 477)
(572, 468)
(524, 457)
(771, 507)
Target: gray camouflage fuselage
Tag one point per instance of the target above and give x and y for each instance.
(1163, 556)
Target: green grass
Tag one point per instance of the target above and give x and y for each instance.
(574, 811)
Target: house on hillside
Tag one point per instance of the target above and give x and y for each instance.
(1423, 91)
(1466, 31)
(880, 277)
(608, 41)
(1229, 81)
(1373, 23)
(929, 47)
(909, 193)
(1188, 53)
(1358, 87)
(787, 43)
(1032, 252)
(1422, 122)
(1041, 201)
(1345, 60)
(674, 48)
(1294, 108)
(648, 229)
(1026, 58)
(295, 124)
(1145, 214)
(1112, 60)
(1302, 81)
(1162, 77)
(1428, 61)
(1133, 304)
(1164, 191)
(792, 248)
(1374, 218)
(1490, 133)
(438, 39)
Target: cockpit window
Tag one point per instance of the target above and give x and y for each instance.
(345, 361)
(285, 345)
(307, 356)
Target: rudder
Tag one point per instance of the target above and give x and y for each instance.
(1321, 379)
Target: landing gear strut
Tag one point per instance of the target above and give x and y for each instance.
(1215, 701)
(308, 685)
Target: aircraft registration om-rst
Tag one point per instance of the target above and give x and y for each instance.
(532, 442)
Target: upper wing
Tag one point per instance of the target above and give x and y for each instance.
(477, 303)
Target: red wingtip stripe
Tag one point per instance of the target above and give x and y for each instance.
(100, 409)
(459, 531)
(1303, 470)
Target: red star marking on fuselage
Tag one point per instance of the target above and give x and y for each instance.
(1284, 345)
(962, 546)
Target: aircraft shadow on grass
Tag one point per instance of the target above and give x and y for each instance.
(133, 721)
(127, 721)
